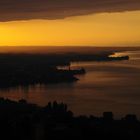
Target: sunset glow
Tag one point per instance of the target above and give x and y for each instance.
(105, 29)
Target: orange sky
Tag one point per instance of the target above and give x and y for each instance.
(105, 29)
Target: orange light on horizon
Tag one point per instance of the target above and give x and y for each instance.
(105, 29)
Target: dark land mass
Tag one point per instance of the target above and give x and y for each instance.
(89, 50)
(31, 69)
(23, 121)
(68, 49)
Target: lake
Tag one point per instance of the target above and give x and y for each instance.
(107, 86)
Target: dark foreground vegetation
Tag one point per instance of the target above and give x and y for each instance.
(23, 121)
(31, 69)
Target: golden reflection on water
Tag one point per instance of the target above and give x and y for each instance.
(107, 86)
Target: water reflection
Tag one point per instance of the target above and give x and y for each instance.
(107, 86)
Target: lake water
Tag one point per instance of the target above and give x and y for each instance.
(107, 86)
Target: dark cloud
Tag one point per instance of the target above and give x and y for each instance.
(54, 9)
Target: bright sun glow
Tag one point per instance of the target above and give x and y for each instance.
(106, 29)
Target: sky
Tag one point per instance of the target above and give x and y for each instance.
(32, 23)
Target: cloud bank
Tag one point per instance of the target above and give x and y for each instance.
(11, 10)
